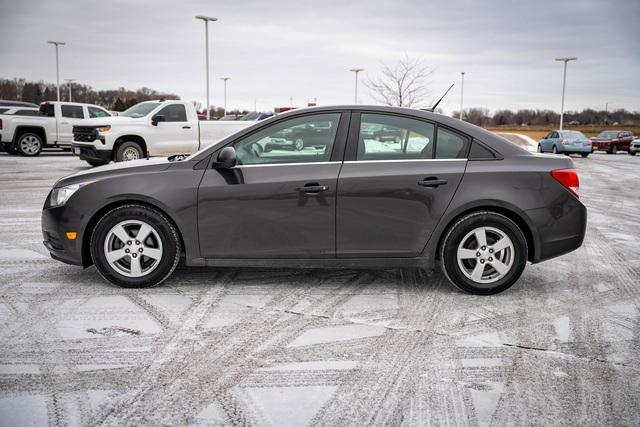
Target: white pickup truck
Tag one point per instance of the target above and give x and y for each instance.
(150, 128)
(52, 127)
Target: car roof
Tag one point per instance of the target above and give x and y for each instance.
(496, 142)
(7, 103)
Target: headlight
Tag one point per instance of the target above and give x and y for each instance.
(59, 196)
(103, 129)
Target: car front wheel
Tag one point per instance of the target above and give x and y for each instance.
(483, 253)
(554, 150)
(134, 246)
(539, 148)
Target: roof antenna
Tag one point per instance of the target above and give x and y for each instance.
(432, 109)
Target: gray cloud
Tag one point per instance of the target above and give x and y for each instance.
(302, 49)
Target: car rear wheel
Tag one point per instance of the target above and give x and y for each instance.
(129, 151)
(134, 246)
(584, 154)
(30, 144)
(483, 253)
(613, 149)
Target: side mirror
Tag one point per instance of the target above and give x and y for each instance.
(226, 158)
(158, 118)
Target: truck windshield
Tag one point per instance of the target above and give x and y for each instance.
(140, 110)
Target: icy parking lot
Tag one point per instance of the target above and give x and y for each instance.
(322, 347)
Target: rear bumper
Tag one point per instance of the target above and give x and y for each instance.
(575, 149)
(90, 153)
(561, 228)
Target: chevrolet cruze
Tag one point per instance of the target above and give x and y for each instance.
(444, 191)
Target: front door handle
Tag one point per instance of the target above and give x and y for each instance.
(312, 189)
(432, 182)
(186, 127)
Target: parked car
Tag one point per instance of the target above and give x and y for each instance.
(151, 128)
(565, 141)
(20, 111)
(612, 141)
(458, 195)
(255, 116)
(5, 103)
(52, 127)
(229, 117)
(309, 134)
(634, 147)
(382, 133)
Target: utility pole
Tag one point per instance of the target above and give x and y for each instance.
(356, 71)
(564, 83)
(56, 44)
(606, 112)
(224, 79)
(69, 81)
(206, 20)
(461, 92)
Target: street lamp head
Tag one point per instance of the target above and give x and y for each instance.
(356, 70)
(567, 59)
(225, 78)
(206, 18)
(56, 43)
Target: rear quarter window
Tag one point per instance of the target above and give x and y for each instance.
(451, 145)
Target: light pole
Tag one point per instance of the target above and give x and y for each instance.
(69, 81)
(461, 92)
(606, 112)
(206, 20)
(56, 44)
(564, 82)
(224, 79)
(356, 71)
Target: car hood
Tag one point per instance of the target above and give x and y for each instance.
(115, 169)
(112, 120)
(597, 139)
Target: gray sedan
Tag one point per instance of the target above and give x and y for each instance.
(443, 192)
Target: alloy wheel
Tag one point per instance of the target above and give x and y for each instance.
(133, 248)
(30, 145)
(485, 255)
(130, 153)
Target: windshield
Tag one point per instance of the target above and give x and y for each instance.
(573, 134)
(140, 110)
(608, 134)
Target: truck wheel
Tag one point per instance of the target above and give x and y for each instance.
(29, 144)
(483, 253)
(96, 164)
(129, 151)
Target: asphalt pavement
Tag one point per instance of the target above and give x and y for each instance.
(322, 347)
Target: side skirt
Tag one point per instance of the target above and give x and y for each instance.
(374, 263)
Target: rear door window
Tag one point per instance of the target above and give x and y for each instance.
(390, 137)
(72, 111)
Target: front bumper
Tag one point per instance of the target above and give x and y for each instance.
(56, 222)
(634, 148)
(90, 153)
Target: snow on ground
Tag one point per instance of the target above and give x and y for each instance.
(319, 347)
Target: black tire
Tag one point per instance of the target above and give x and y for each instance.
(29, 144)
(632, 153)
(166, 232)
(613, 149)
(584, 155)
(461, 228)
(554, 150)
(127, 148)
(96, 163)
(540, 149)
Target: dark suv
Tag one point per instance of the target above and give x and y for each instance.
(612, 140)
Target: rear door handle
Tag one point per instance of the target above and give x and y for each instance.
(186, 127)
(312, 189)
(432, 182)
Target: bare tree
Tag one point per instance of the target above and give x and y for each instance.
(403, 84)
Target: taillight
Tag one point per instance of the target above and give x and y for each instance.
(565, 142)
(568, 178)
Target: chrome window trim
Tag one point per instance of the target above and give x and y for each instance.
(406, 160)
(288, 164)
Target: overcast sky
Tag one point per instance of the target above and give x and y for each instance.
(276, 50)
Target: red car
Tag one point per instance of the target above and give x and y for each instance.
(612, 140)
